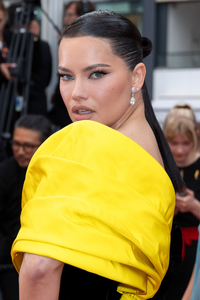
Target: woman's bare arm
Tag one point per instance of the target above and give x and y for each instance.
(188, 292)
(39, 278)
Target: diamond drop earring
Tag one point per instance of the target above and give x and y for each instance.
(132, 101)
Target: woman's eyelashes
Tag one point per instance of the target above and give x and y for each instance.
(97, 74)
(65, 77)
(93, 75)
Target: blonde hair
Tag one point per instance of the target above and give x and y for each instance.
(182, 110)
(176, 125)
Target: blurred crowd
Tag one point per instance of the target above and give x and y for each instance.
(41, 63)
(182, 133)
(29, 131)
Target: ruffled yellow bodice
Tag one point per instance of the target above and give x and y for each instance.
(95, 199)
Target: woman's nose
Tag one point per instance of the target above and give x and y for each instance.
(179, 149)
(79, 91)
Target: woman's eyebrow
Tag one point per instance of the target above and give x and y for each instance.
(85, 69)
(64, 69)
(95, 66)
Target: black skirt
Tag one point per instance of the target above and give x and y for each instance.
(77, 283)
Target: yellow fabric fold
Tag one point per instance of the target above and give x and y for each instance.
(95, 199)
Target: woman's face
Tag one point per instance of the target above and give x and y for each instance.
(2, 20)
(181, 149)
(95, 84)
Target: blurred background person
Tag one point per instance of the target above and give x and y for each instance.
(40, 74)
(3, 154)
(3, 42)
(185, 110)
(182, 110)
(198, 134)
(29, 133)
(5, 39)
(74, 9)
(41, 64)
(58, 114)
(41, 69)
(180, 132)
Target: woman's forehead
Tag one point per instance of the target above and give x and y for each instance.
(87, 50)
(85, 41)
(181, 136)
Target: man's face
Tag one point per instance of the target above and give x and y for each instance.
(70, 14)
(24, 144)
(2, 20)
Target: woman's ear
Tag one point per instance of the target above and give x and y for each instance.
(138, 76)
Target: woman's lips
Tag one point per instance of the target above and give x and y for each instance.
(82, 112)
(179, 157)
(81, 109)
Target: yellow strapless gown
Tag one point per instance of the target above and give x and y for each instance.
(96, 200)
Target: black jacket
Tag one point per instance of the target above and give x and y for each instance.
(11, 182)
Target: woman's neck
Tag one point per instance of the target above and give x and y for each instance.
(132, 114)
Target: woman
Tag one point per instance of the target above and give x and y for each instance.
(58, 114)
(181, 136)
(108, 196)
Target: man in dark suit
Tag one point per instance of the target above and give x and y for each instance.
(29, 132)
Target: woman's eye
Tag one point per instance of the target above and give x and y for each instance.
(97, 75)
(172, 144)
(66, 77)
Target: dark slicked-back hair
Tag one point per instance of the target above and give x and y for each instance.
(127, 43)
(37, 123)
(124, 37)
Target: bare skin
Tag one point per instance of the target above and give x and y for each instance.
(34, 28)
(188, 292)
(184, 155)
(147, 140)
(24, 136)
(86, 85)
(39, 278)
(188, 203)
(77, 90)
(5, 67)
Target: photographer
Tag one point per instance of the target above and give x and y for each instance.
(5, 38)
(41, 65)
